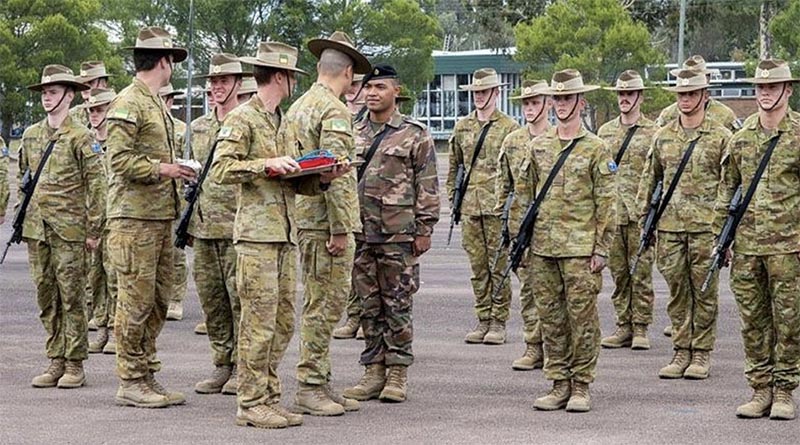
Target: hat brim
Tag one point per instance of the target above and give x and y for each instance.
(87, 105)
(528, 96)
(480, 87)
(361, 64)
(223, 73)
(88, 79)
(74, 85)
(178, 54)
(583, 89)
(707, 72)
(762, 81)
(627, 89)
(258, 62)
(688, 88)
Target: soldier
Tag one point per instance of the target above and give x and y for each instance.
(4, 160)
(246, 91)
(765, 275)
(63, 220)
(570, 245)
(102, 274)
(629, 135)
(181, 277)
(481, 225)
(714, 109)
(250, 152)
(518, 176)
(143, 202)
(212, 232)
(399, 195)
(93, 74)
(685, 236)
(319, 120)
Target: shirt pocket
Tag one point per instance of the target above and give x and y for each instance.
(397, 214)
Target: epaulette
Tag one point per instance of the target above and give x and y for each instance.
(414, 122)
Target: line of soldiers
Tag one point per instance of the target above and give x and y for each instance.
(592, 209)
(108, 184)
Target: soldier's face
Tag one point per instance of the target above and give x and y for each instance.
(97, 115)
(482, 97)
(53, 94)
(210, 97)
(381, 94)
(568, 107)
(168, 101)
(222, 88)
(350, 94)
(771, 96)
(533, 108)
(628, 101)
(692, 101)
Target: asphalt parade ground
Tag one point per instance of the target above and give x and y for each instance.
(458, 393)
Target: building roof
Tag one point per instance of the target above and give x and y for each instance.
(466, 62)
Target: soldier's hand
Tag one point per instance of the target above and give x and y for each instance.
(337, 244)
(597, 263)
(728, 257)
(176, 171)
(421, 245)
(281, 166)
(338, 171)
(92, 243)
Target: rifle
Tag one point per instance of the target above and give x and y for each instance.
(458, 198)
(191, 194)
(725, 238)
(650, 224)
(505, 238)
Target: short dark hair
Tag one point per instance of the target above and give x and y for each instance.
(147, 60)
(264, 75)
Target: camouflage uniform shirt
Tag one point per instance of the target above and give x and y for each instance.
(714, 110)
(80, 116)
(4, 160)
(517, 175)
(399, 191)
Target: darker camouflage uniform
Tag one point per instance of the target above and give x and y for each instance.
(99, 275)
(4, 160)
(399, 197)
(181, 276)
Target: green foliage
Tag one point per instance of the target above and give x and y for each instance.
(784, 30)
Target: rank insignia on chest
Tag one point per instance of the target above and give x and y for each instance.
(224, 132)
(612, 166)
(97, 148)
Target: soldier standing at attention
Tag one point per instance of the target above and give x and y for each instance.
(250, 152)
(64, 220)
(4, 160)
(518, 176)
(143, 202)
(570, 244)
(399, 195)
(685, 232)
(319, 120)
(765, 275)
(93, 74)
(211, 229)
(629, 136)
(481, 225)
(181, 277)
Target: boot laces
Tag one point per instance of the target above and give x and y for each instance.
(680, 356)
(220, 372)
(700, 359)
(73, 367)
(395, 378)
(783, 396)
(56, 366)
(580, 390)
(328, 389)
(621, 331)
(155, 385)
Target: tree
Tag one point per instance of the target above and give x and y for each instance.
(597, 37)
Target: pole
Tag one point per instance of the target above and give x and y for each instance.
(681, 28)
(189, 70)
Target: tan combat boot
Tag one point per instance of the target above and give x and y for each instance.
(477, 334)
(533, 358)
(49, 377)
(676, 368)
(640, 340)
(214, 384)
(96, 346)
(668, 331)
(396, 382)
(173, 397)
(349, 329)
(232, 385)
(348, 404)
(370, 385)
(91, 324)
(580, 401)
(312, 399)
(260, 416)
(758, 406)
(360, 333)
(621, 338)
(201, 329)
(700, 367)
(783, 407)
(292, 419)
(496, 334)
(557, 398)
(138, 393)
(175, 311)
(73, 377)
(111, 344)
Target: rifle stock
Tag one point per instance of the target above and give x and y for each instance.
(725, 238)
(458, 199)
(650, 224)
(505, 237)
(26, 188)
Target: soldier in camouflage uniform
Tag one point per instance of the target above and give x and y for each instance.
(143, 202)
(63, 220)
(181, 277)
(765, 276)
(571, 240)
(398, 191)
(212, 231)
(481, 225)
(633, 296)
(246, 91)
(250, 151)
(685, 236)
(518, 176)
(93, 74)
(319, 120)
(4, 160)
(715, 109)
(101, 275)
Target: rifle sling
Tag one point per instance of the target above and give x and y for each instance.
(203, 173)
(625, 143)
(478, 147)
(562, 158)
(674, 183)
(751, 189)
(371, 152)
(47, 151)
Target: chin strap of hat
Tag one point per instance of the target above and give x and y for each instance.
(63, 95)
(574, 107)
(777, 101)
(488, 101)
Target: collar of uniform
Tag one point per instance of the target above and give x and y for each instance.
(137, 83)
(396, 120)
(784, 126)
(64, 127)
(256, 103)
(323, 87)
(497, 114)
(643, 122)
(552, 133)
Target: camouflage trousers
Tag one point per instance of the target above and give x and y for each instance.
(566, 297)
(684, 260)
(327, 283)
(766, 290)
(531, 326)
(181, 275)
(352, 307)
(266, 281)
(480, 238)
(103, 281)
(215, 276)
(57, 269)
(386, 277)
(142, 256)
(633, 296)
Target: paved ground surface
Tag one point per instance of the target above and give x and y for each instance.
(458, 393)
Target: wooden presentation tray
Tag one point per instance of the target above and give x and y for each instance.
(320, 169)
